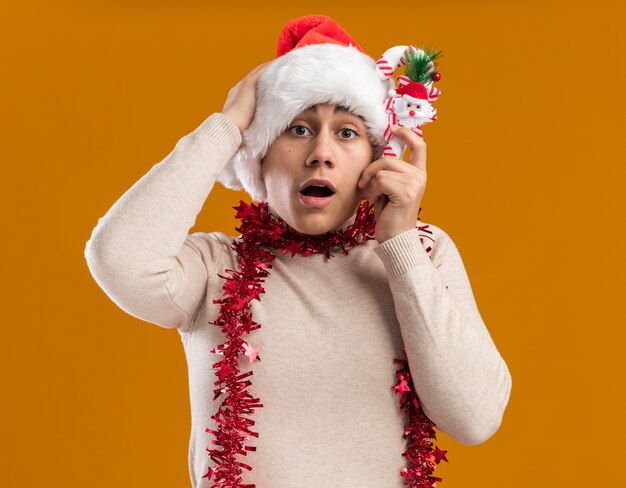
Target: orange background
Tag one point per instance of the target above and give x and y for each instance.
(525, 170)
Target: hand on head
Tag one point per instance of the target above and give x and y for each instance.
(241, 102)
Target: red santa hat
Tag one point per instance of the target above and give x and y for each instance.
(412, 92)
(317, 62)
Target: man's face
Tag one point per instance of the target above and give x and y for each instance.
(325, 141)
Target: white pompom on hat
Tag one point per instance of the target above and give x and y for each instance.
(317, 62)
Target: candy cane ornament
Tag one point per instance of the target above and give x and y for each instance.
(409, 104)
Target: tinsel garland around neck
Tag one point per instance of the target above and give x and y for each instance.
(259, 229)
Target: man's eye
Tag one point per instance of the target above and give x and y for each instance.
(298, 129)
(343, 131)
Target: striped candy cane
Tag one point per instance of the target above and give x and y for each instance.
(392, 59)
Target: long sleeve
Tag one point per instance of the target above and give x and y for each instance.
(140, 252)
(461, 379)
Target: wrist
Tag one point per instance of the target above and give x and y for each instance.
(233, 119)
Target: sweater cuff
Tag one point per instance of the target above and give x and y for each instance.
(402, 252)
(221, 130)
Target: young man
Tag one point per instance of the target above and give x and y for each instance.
(330, 327)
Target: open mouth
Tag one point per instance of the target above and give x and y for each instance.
(318, 191)
(316, 195)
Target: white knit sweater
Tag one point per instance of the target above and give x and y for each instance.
(329, 330)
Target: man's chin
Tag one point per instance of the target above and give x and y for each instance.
(321, 220)
(316, 225)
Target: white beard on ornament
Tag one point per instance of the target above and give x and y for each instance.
(422, 116)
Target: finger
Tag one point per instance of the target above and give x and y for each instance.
(416, 144)
(376, 188)
(373, 191)
(383, 177)
(265, 64)
(406, 178)
(258, 71)
(397, 189)
(395, 175)
(386, 163)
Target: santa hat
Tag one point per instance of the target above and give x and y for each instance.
(317, 62)
(412, 92)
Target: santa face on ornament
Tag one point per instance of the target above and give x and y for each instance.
(325, 142)
(412, 112)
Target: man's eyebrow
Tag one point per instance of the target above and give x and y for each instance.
(338, 108)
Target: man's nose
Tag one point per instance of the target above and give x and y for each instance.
(322, 149)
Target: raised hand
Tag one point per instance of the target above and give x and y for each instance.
(241, 101)
(396, 187)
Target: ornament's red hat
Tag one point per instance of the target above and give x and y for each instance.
(414, 90)
(313, 29)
